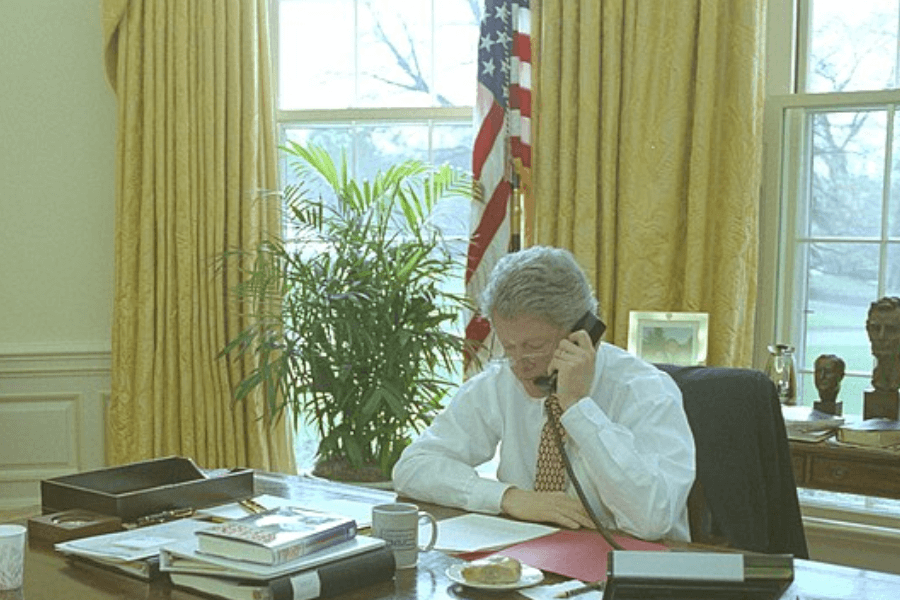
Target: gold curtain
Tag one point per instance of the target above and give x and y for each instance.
(195, 145)
(647, 155)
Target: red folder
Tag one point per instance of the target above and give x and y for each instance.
(578, 554)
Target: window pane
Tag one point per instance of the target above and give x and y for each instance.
(847, 174)
(383, 145)
(395, 58)
(852, 45)
(315, 58)
(452, 145)
(842, 281)
(894, 206)
(892, 281)
(335, 139)
(455, 26)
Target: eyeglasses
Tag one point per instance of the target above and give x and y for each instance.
(531, 351)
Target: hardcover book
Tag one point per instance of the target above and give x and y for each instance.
(183, 557)
(329, 579)
(276, 536)
(876, 433)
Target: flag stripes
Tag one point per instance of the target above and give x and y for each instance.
(503, 122)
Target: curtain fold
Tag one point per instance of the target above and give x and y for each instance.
(195, 147)
(648, 154)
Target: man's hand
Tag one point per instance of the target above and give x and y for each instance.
(548, 507)
(574, 359)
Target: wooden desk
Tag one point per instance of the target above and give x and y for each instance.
(49, 576)
(835, 467)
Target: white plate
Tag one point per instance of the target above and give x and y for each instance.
(530, 576)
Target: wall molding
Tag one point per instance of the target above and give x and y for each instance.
(54, 361)
(59, 391)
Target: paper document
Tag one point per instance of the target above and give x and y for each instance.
(549, 592)
(361, 512)
(472, 532)
(132, 545)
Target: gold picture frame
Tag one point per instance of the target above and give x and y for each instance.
(677, 338)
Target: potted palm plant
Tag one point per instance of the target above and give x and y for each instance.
(350, 322)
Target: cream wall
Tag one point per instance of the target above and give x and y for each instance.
(57, 176)
(57, 183)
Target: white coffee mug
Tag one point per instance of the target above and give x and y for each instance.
(398, 524)
(12, 556)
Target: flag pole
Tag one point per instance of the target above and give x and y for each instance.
(515, 213)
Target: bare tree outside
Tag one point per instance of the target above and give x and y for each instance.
(852, 195)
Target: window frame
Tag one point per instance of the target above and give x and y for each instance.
(778, 255)
(779, 297)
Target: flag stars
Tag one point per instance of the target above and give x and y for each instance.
(486, 43)
(488, 68)
(502, 13)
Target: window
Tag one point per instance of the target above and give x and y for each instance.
(832, 192)
(839, 247)
(382, 80)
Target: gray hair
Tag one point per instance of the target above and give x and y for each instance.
(540, 281)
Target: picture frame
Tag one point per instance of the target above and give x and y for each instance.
(676, 338)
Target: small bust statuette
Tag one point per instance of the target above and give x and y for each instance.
(883, 327)
(829, 373)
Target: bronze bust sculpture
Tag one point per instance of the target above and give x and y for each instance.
(883, 327)
(829, 373)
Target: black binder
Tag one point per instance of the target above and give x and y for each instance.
(763, 577)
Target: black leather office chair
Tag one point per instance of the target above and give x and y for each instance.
(744, 495)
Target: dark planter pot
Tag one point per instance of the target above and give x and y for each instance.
(340, 469)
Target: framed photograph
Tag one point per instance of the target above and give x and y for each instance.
(676, 338)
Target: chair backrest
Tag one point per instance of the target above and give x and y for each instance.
(744, 495)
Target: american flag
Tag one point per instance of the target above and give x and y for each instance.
(503, 139)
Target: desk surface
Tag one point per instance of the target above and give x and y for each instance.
(50, 576)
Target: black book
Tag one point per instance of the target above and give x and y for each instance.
(329, 579)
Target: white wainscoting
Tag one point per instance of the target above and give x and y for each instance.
(52, 402)
(854, 538)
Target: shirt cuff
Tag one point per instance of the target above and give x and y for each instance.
(486, 495)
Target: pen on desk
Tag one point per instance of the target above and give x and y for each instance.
(597, 585)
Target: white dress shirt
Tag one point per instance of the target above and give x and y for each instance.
(629, 442)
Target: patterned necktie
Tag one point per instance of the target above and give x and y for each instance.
(551, 472)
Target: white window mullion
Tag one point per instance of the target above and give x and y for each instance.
(886, 199)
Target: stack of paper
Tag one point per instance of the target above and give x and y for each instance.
(136, 551)
(476, 532)
(806, 424)
(173, 548)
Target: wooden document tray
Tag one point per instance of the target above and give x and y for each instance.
(144, 488)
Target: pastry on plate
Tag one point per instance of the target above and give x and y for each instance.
(493, 570)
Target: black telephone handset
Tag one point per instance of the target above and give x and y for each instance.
(595, 328)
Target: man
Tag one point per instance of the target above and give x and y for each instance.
(829, 371)
(883, 327)
(626, 433)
